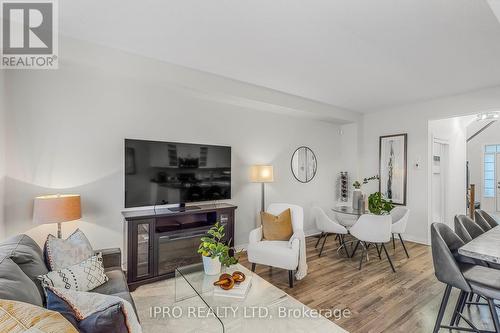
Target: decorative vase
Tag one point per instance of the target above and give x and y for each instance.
(211, 266)
(357, 196)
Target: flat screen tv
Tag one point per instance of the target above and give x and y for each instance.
(163, 173)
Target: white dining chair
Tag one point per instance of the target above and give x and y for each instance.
(400, 217)
(372, 229)
(328, 227)
(280, 254)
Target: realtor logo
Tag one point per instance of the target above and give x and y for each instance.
(29, 34)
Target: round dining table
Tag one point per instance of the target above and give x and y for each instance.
(347, 215)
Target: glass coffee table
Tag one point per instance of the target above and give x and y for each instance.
(265, 308)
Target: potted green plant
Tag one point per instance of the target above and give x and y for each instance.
(378, 205)
(215, 252)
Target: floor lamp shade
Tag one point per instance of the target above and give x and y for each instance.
(57, 209)
(262, 174)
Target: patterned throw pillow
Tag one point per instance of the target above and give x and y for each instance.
(93, 312)
(62, 253)
(87, 275)
(19, 317)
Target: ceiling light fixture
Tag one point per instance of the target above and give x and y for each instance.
(488, 116)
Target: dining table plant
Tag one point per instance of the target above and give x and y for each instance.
(379, 205)
(215, 252)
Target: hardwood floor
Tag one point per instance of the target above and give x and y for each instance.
(379, 300)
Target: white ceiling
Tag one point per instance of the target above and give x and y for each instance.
(360, 55)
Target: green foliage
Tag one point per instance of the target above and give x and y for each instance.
(378, 205)
(356, 185)
(212, 246)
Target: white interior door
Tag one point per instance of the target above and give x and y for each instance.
(497, 192)
(439, 169)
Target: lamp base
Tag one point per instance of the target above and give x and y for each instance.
(263, 203)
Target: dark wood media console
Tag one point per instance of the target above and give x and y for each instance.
(158, 241)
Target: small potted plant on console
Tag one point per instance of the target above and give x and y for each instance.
(215, 252)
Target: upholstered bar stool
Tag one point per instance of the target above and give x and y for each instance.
(466, 228)
(487, 217)
(481, 222)
(467, 278)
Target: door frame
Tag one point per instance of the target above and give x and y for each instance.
(483, 198)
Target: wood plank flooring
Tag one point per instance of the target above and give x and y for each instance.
(379, 300)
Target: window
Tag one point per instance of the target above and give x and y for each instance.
(489, 170)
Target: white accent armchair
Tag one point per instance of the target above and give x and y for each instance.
(328, 226)
(400, 217)
(280, 254)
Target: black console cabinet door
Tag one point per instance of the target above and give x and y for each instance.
(226, 218)
(141, 249)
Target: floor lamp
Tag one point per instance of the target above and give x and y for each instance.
(57, 209)
(262, 174)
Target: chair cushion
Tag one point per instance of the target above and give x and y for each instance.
(18, 317)
(116, 283)
(277, 228)
(116, 286)
(484, 281)
(26, 253)
(17, 286)
(62, 253)
(274, 253)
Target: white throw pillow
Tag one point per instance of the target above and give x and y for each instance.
(85, 276)
(62, 253)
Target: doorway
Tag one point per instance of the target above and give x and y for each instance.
(490, 177)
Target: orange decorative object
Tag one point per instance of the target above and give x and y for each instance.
(227, 281)
(239, 277)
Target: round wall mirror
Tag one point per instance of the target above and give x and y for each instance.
(304, 164)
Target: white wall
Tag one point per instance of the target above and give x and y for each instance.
(414, 120)
(475, 156)
(349, 156)
(66, 131)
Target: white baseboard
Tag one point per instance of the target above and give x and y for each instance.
(241, 247)
(414, 239)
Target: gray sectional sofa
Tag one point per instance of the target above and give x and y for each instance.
(21, 261)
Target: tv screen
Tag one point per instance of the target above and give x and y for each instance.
(161, 173)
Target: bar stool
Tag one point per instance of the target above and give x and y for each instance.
(466, 228)
(467, 278)
(487, 217)
(481, 222)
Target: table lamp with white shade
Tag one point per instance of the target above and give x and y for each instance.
(57, 208)
(262, 174)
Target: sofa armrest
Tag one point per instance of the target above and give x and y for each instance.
(111, 258)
